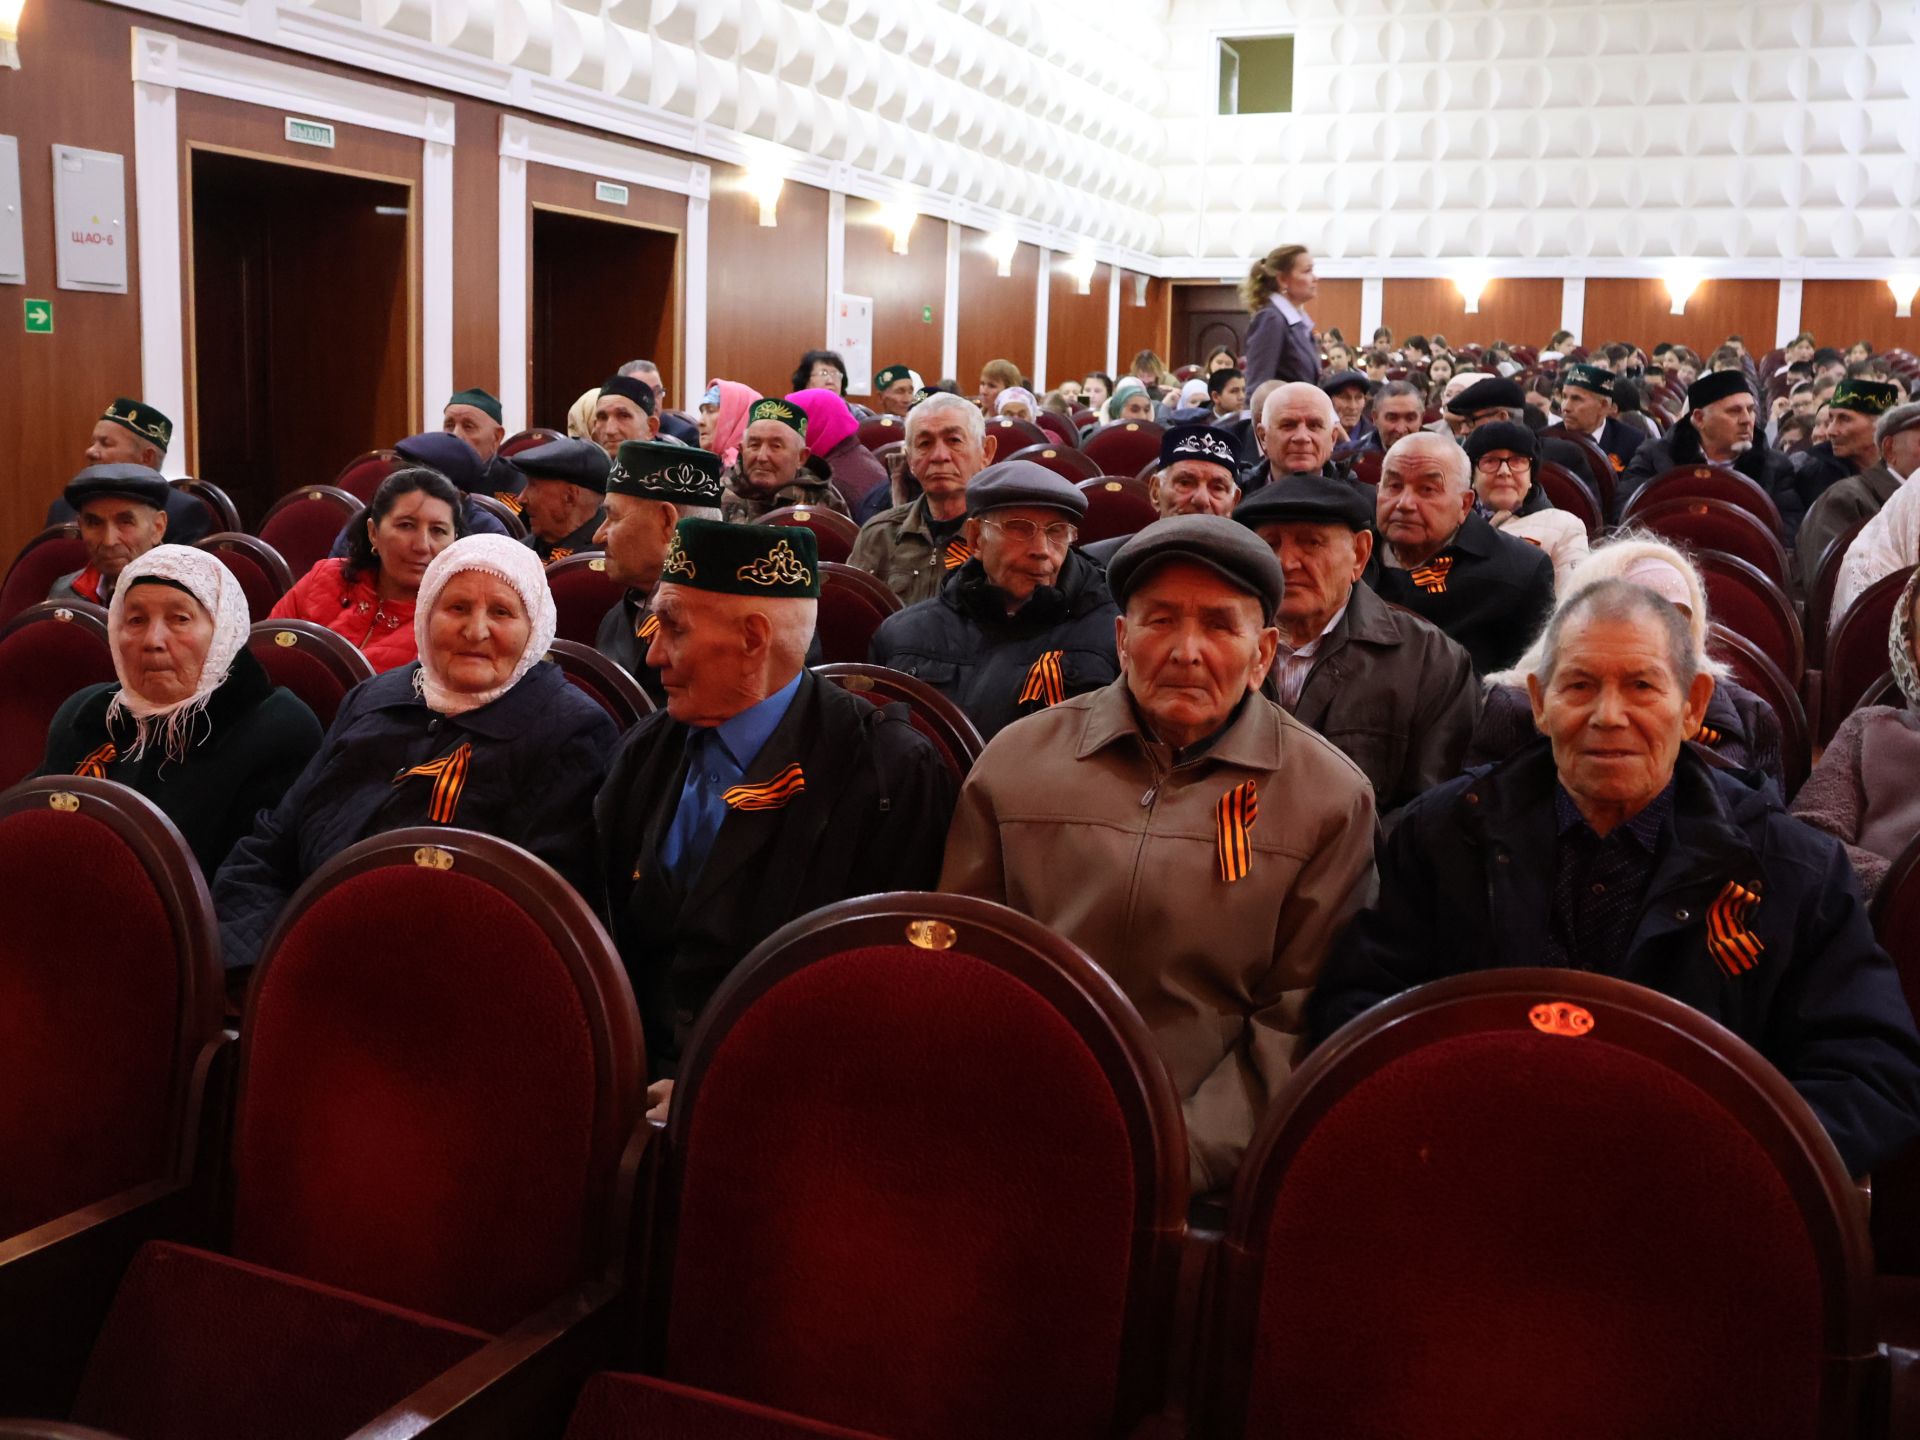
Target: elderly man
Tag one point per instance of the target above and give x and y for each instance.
(474, 415)
(1397, 412)
(915, 546)
(1719, 429)
(627, 409)
(893, 390)
(123, 514)
(1860, 497)
(1296, 435)
(565, 488)
(1443, 561)
(1192, 837)
(1352, 398)
(1587, 412)
(1197, 476)
(1612, 847)
(131, 432)
(651, 488)
(772, 470)
(1850, 448)
(1397, 696)
(674, 429)
(761, 792)
(1027, 621)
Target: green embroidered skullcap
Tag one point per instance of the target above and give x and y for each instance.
(677, 474)
(1865, 397)
(142, 419)
(781, 562)
(784, 411)
(892, 375)
(479, 400)
(1591, 377)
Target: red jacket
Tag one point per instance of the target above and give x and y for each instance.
(383, 629)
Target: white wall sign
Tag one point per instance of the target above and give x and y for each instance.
(13, 240)
(609, 193)
(310, 132)
(853, 337)
(89, 219)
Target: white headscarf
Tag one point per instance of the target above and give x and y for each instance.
(512, 562)
(202, 576)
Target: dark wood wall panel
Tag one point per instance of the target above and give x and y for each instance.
(766, 286)
(1521, 312)
(476, 246)
(996, 311)
(903, 288)
(1637, 312)
(1145, 326)
(1839, 312)
(1337, 307)
(1076, 324)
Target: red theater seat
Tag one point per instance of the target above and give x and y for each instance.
(602, 680)
(1010, 434)
(1754, 670)
(833, 533)
(1060, 429)
(926, 1177)
(582, 594)
(54, 552)
(361, 476)
(222, 513)
(1717, 484)
(303, 526)
(881, 430)
(507, 515)
(1116, 505)
(263, 575)
(1896, 1187)
(47, 652)
(852, 605)
(1540, 1203)
(1565, 489)
(638, 1407)
(1856, 650)
(315, 663)
(1750, 604)
(1714, 525)
(1123, 448)
(1820, 598)
(1063, 460)
(934, 715)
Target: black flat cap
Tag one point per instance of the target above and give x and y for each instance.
(1021, 482)
(1488, 394)
(1344, 380)
(578, 462)
(1501, 435)
(1231, 551)
(1306, 499)
(1717, 385)
(126, 482)
(1199, 441)
(446, 452)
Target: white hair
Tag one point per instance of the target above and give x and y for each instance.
(940, 403)
(697, 512)
(793, 623)
(1430, 445)
(1287, 391)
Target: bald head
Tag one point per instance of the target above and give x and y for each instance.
(1296, 431)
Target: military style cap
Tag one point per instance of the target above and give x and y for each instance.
(1308, 500)
(578, 462)
(129, 482)
(1345, 380)
(892, 375)
(1492, 393)
(1021, 482)
(446, 452)
(1501, 435)
(1591, 377)
(677, 474)
(1233, 552)
(1865, 397)
(1199, 441)
(781, 562)
(638, 391)
(479, 400)
(1717, 385)
(142, 419)
(785, 411)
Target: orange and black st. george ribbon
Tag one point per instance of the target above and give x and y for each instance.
(956, 554)
(513, 503)
(1233, 822)
(560, 552)
(1432, 576)
(1707, 735)
(449, 776)
(94, 765)
(768, 795)
(648, 627)
(1046, 681)
(1734, 947)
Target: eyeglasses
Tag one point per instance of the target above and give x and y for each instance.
(1513, 464)
(1059, 534)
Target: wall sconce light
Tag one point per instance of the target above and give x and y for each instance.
(10, 33)
(1001, 245)
(898, 220)
(764, 186)
(1904, 288)
(1470, 287)
(1680, 286)
(1081, 268)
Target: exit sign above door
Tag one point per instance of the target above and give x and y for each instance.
(310, 132)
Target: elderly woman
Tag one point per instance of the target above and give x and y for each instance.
(833, 445)
(369, 595)
(1862, 791)
(1503, 456)
(1130, 401)
(193, 724)
(1739, 727)
(477, 734)
(723, 418)
(1016, 402)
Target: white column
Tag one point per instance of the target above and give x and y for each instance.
(1113, 318)
(836, 258)
(1373, 293)
(694, 361)
(1573, 305)
(436, 263)
(950, 309)
(1042, 289)
(515, 267)
(1786, 323)
(156, 193)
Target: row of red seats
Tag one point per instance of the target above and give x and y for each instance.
(923, 1178)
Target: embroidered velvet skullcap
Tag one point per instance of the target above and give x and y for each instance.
(780, 562)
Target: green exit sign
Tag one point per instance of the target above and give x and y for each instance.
(310, 132)
(926, 314)
(39, 317)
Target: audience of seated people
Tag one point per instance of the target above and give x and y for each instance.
(1198, 475)
(915, 545)
(131, 432)
(122, 509)
(563, 496)
(776, 468)
(1503, 455)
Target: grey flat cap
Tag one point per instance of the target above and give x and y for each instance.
(1230, 550)
(1021, 482)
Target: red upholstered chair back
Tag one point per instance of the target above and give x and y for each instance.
(1717, 483)
(1116, 505)
(47, 652)
(315, 663)
(54, 552)
(440, 1068)
(1123, 448)
(1539, 1202)
(1565, 489)
(1820, 599)
(527, 440)
(1368, 464)
(582, 594)
(603, 681)
(263, 574)
(1010, 434)
(1063, 460)
(507, 515)
(934, 715)
(303, 526)
(361, 476)
(1749, 604)
(881, 430)
(1857, 648)
(926, 1174)
(1598, 469)
(833, 532)
(222, 513)
(1060, 429)
(109, 991)
(852, 605)
(1752, 669)
(1896, 1186)
(1713, 524)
